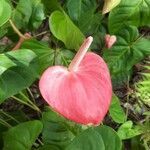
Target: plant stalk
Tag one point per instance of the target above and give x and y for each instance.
(16, 29)
(9, 116)
(25, 103)
(30, 102)
(3, 122)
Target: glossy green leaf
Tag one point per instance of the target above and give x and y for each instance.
(135, 12)
(5, 12)
(49, 147)
(52, 5)
(2, 130)
(43, 52)
(128, 50)
(55, 131)
(63, 29)
(110, 138)
(87, 140)
(37, 14)
(128, 130)
(22, 136)
(47, 56)
(18, 70)
(83, 13)
(28, 14)
(63, 57)
(109, 5)
(116, 111)
(21, 15)
(76, 8)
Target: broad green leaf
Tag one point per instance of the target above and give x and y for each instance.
(98, 39)
(76, 8)
(82, 12)
(128, 51)
(109, 5)
(63, 29)
(147, 113)
(127, 130)
(5, 12)
(37, 14)
(3, 31)
(55, 132)
(52, 5)
(21, 15)
(28, 14)
(22, 136)
(135, 12)
(87, 140)
(18, 70)
(116, 111)
(48, 57)
(43, 52)
(63, 57)
(2, 129)
(110, 138)
(49, 147)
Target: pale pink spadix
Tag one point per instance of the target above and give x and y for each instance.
(82, 92)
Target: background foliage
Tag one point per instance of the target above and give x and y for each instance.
(55, 30)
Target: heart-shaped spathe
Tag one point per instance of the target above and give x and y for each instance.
(110, 40)
(82, 93)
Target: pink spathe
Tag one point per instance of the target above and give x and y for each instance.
(110, 40)
(82, 93)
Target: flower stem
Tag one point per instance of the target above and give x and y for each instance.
(9, 116)
(42, 33)
(80, 54)
(16, 29)
(30, 102)
(25, 103)
(3, 122)
(32, 96)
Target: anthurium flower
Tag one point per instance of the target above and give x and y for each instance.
(110, 40)
(109, 5)
(82, 92)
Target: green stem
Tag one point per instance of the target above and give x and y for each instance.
(30, 102)
(128, 87)
(3, 122)
(16, 29)
(14, 2)
(9, 116)
(25, 103)
(28, 89)
(40, 142)
(145, 145)
(42, 33)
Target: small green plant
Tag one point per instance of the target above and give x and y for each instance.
(143, 86)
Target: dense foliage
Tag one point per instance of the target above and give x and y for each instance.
(36, 34)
